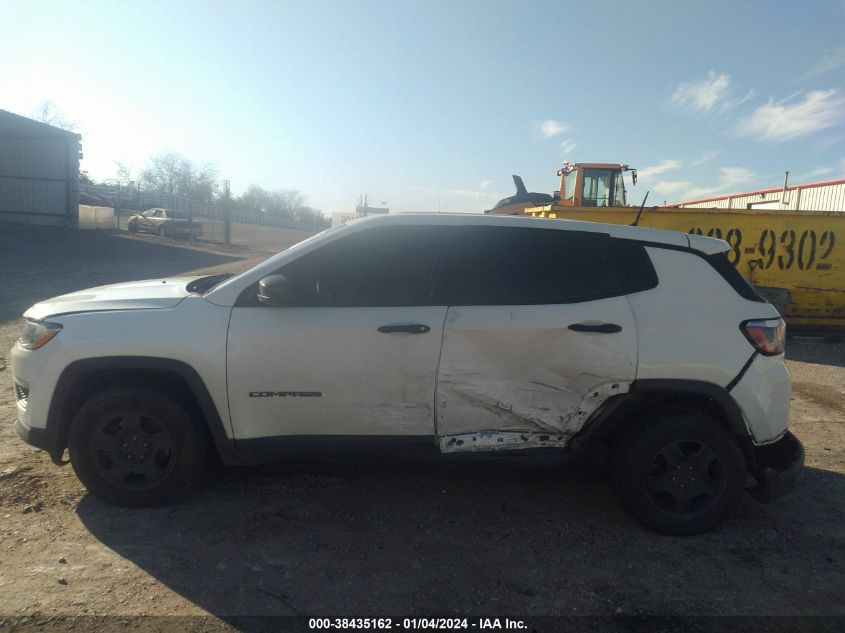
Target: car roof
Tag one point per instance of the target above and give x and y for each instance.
(227, 292)
(642, 234)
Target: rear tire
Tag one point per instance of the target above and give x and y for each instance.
(679, 474)
(135, 447)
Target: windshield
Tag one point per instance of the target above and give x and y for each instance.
(596, 187)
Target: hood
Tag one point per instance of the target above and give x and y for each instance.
(133, 295)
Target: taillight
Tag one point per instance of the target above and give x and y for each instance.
(768, 336)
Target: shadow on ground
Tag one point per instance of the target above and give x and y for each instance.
(388, 537)
(819, 350)
(52, 261)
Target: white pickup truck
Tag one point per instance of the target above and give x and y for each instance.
(428, 332)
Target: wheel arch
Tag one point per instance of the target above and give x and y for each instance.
(655, 394)
(83, 378)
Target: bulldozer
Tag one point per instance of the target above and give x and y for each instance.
(581, 185)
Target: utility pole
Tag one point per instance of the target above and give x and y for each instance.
(190, 204)
(227, 213)
(117, 204)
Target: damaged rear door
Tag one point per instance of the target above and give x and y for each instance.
(539, 335)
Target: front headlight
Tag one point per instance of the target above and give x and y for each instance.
(36, 334)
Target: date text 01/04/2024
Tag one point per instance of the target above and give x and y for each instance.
(434, 624)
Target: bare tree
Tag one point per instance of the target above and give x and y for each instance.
(175, 175)
(196, 181)
(162, 173)
(124, 172)
(283, 203)
(49, 113)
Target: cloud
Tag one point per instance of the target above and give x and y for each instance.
(778, 121)
(730, 179)
(828, 142)
(702, 96)
(711, 95)
(568, 145)
(647, 173)
(816, 173)
(551, 128)
(831, 61)
(484, 184)
(705, 157)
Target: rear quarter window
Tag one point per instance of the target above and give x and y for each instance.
(527, 266)
(729, 273)
(630, 267)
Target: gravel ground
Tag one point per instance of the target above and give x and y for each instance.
(384, 536)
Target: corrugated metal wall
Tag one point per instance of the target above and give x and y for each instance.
(821, 198)
(824, 198)
(39, 180)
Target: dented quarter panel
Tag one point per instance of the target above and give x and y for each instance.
(521, 369)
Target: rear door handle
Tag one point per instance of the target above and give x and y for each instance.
(601, 328)
(412, 328)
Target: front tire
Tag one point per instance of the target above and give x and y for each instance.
(133, 227)
(135, 447)
(679, 474)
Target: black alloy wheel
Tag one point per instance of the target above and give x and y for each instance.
(679, 472)
(685, 477)
(134, 450)
(134, 446)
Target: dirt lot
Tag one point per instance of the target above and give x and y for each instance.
(384, 537)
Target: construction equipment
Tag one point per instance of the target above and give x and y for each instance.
(791, 257)
(517, 203)
(581, 185)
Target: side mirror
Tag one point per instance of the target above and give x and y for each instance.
(276, 290)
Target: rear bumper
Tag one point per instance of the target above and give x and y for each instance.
(763, 396)
(777, 467)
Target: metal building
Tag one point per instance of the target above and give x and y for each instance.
(39, 172)
(828, 195)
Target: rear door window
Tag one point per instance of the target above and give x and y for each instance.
(516, 266)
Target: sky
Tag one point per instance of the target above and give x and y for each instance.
(432, 105)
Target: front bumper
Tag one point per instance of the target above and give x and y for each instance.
(39, 438)
(34, 376)
(777, 467)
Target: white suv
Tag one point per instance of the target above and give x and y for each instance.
(442, 333)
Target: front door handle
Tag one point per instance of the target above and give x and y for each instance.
(412, 328)
(601, 328)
